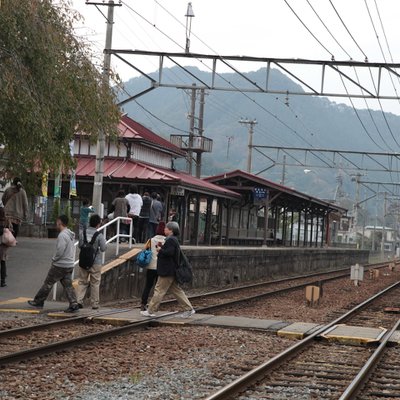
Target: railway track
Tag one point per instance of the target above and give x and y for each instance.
(315, 369)
(56, 345)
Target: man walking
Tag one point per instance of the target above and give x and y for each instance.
(135, 204)
(61, 268)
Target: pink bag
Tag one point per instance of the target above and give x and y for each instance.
(8, 238)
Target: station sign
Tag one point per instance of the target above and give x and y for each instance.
(177, 191)
(260, 195)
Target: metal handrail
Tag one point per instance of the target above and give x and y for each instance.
(116, 237)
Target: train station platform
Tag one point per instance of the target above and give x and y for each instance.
(214, 267)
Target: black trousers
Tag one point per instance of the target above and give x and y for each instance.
(151, 278)
(143, 230)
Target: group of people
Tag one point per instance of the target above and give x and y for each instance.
(161, 270)
(62, 266)
(145, 211)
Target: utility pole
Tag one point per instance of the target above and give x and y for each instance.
(189, 161)
(283, 170)
(251, 124)
(200, 131)
(383, 226)
(99, 168)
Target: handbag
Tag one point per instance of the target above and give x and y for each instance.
(8, 239)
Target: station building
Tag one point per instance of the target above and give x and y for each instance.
(227, 209)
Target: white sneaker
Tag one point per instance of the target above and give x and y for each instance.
(147, 314)
(188, 314)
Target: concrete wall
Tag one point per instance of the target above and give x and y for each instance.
(219, 266)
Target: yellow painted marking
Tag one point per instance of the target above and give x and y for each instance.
(19, 310)
(17, 300)
(290, 335)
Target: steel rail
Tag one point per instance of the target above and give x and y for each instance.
(269, 283)
(60, 322)
(362, 377)
(65, 344)
(62, 345)
(242, 383)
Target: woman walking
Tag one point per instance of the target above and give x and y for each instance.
(167, 262)
(15, 204)
(151, 270)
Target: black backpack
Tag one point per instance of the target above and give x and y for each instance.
(88, 253)
(183, 271)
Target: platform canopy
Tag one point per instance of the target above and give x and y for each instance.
(279, 195)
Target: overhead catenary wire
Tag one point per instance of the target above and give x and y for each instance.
(347, 29)
(328, 30)
(309, 30)
(351, 102)
(223, 78)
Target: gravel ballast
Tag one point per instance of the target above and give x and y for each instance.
(166, 362)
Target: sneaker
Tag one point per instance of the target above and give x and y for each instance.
(143, 307)
(146, 313)
(188, 314)
(33, 303)
(72, 309)
(80, 305)
(95, 307)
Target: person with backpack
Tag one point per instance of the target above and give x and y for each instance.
(151, 270)
(167, 263)
(61, 268)
(91, 243)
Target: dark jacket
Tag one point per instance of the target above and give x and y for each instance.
(168, 256)
(145, 211)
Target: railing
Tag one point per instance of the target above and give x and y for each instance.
(103, 230)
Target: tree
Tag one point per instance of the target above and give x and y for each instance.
(49, 88)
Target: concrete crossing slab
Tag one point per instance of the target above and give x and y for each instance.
(242, 322)
(298, 330)
(347, 334)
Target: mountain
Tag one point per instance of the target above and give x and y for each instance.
(313, 121)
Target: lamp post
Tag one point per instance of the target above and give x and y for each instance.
(189, 16)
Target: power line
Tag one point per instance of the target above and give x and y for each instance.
(358, 116)
(223, 78)
(310, 32)
(347, 29)
(328, 30)
(366, 103)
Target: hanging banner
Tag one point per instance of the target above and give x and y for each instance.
(72, 185)
(45, 181)
(57, 186)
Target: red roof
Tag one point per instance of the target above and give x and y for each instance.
(118, 168)
(131, 129)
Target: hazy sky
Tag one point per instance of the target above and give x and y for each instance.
(265, 28)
